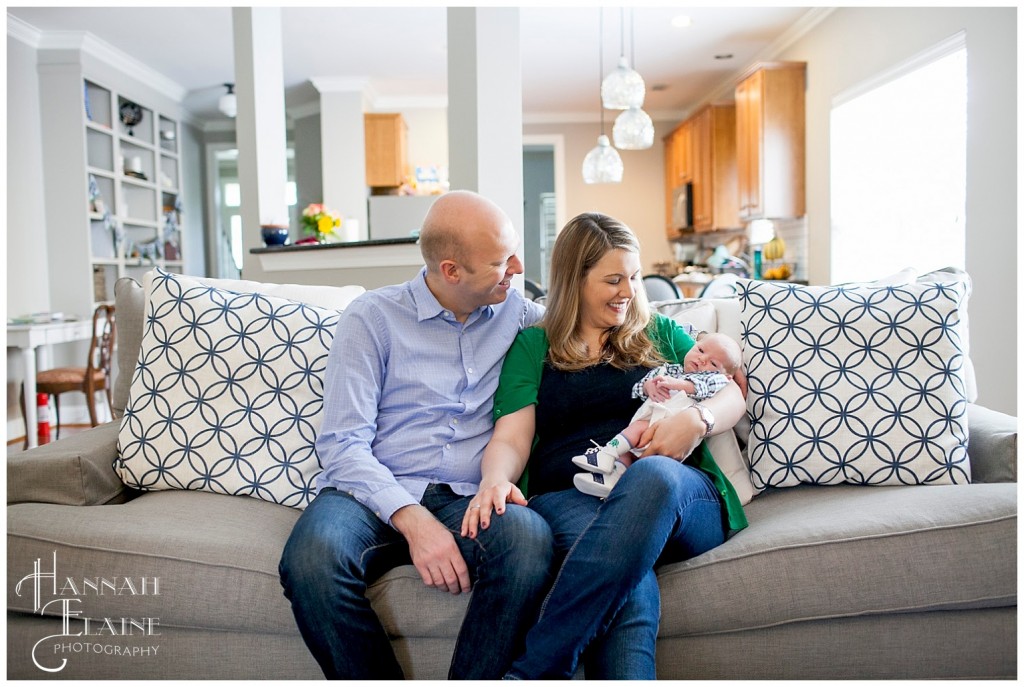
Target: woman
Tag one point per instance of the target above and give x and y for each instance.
(564, 383)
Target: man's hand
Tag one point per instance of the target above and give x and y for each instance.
(433, 549)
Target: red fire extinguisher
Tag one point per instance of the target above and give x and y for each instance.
(43, 418)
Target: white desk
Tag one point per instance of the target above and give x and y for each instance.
(33, 340)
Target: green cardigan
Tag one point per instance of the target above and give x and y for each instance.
(520, 381)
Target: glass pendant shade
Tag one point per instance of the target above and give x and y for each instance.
(633, 130)
(602, 165)
(623, 88)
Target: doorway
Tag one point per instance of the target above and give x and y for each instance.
(543, 202)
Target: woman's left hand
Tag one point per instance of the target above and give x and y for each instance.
(491, 496)
(675, 437)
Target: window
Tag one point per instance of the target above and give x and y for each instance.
(898, 158)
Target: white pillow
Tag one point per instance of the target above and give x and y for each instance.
(227, 395)
(700, 314)
(333, 297)
(855, 384)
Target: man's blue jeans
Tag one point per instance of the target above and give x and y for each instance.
(605, 603)
(338, 547)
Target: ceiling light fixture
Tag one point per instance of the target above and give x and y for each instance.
(633, 129)
(624, 87)
(602, 165)
(681, 21)
(228, 103)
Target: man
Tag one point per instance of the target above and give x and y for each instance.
(407, 414)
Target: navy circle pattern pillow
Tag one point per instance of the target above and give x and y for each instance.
(227, 395)
(855, 384)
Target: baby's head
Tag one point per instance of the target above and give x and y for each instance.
(714, 353)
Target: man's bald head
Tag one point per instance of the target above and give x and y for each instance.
(451, 223)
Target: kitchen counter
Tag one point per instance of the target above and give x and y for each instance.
(318, 256)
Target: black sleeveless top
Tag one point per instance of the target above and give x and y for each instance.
(595, 403)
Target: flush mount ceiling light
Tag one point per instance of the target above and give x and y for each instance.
(624, 87)
(681, 21)
(228, 104)
(633, 129)
(602, 165)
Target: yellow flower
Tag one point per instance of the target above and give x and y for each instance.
(325, 224)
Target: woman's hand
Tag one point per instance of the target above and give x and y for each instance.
(492, 495)
(675, 437)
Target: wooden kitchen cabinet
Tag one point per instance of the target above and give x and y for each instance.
(386, 153)
(715, 192)
(770, 141)
(702, 151)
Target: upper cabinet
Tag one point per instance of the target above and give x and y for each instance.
(386, 156)
(770, 141)
(702, 152)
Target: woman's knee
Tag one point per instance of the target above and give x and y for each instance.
(523, 537)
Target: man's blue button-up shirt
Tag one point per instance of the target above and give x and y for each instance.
(408, 393)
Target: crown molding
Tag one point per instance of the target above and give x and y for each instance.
(20, 31)
(340, 84)
(410, 102)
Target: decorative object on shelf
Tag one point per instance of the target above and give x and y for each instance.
(172, 236)
(274, 234)
(88, 107)
(319, 221)
(633, 129)
(228, 103)
(602, 165)
(131, 114)
(96, 203)
(623, 88)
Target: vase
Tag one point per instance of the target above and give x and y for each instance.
(274, 235)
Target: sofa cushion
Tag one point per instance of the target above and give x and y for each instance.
(227, 395)
(855, 384)
(221, 578)
(813, 552)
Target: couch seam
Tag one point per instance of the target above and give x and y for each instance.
(926, 608)
(880, 535)
(136, 553)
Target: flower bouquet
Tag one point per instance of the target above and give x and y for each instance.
(319, 221)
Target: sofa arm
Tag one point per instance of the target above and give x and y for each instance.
(75, 471)
(992, 446)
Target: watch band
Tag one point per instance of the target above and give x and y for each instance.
(706, 417)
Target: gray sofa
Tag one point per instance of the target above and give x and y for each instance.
(826, 582)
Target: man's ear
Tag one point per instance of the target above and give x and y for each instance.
(451, 271)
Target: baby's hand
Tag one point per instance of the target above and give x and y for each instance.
(661, 387)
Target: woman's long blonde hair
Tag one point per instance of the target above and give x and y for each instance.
(580, 245)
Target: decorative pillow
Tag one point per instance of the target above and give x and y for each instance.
(855, 384)
(700, 314)
(227, 395)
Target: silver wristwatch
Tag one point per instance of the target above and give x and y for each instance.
(706, 417)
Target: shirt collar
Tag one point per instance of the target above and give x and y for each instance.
(428, 307)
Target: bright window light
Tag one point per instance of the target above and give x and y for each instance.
(232, 195)
(898, 158)
(236, 240)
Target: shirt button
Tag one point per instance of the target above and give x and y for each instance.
(447, 446)
(470, 370)
(455, 421)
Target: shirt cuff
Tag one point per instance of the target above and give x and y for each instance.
(385, 502)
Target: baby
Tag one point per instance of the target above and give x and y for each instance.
(706, 369)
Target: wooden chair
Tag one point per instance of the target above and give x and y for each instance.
(95, 376)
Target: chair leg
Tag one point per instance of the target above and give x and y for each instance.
(56, 414)
(90, 399)
(24, 417)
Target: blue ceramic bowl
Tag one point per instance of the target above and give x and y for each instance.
(274, 235)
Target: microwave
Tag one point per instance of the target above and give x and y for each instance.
(682, 207)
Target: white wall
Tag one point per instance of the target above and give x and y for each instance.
(639, 201)
(853, 44)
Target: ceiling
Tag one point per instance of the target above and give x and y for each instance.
(402, 50)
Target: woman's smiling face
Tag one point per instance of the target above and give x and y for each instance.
(609, 288)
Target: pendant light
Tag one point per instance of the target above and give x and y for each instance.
(624, 87)
(602, 165)
(228, 104)
(633, 129)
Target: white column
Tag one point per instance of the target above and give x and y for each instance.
(343, 151)
(485, 106)
(260, 125)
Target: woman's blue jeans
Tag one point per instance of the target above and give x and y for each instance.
(605, 602)
(338, 547)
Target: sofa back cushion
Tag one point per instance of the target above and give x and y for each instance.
(227, 394)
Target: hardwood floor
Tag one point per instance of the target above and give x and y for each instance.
(17, 444)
